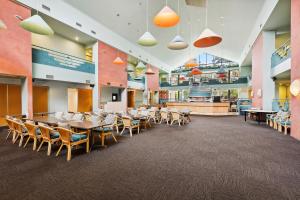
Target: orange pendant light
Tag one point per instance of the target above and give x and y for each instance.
(191, 63)
(207, 38)
(196, 71)
(166, 17)
(118, 61)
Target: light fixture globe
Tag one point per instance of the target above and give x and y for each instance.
(147, 39)
(166, 18)
(295, 87)
(207, 39)
(36, 24)
(2, 25)
(177, 43)
(130, 68)
(118, 61)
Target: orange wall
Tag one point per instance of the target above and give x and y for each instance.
(295, 70)
(116, 75)
(15, 45)
(153, 80)
(257, 53)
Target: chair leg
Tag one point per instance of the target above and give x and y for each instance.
(40, 145)
(26, 142)
(122, 131)
(117, 127)
(102, 140)
(34, 144)
(69, 153)
(8, 134)
(15, 139)
(49, 149)
(61, 146)
(130, 130)
(87, 146)
(21, 141)
(138, 129)
(115, 139)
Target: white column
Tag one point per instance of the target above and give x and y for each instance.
(268, 86)
(145, 94)
(24, 94)
(96, 87)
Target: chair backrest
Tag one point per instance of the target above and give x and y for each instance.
(65, 135)
(110, 119)
(10, 123)
(59, 115)
(19, 127)
(164, 115)
(152, 113)
(45, 131)
(126, 121)
(175, 115)
(31, 129)
(78, 116)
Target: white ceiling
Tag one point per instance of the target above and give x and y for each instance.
(239, 18)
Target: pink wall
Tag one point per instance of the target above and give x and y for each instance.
(295, 69)
(153, 80)
(108, 72)
(15, 45)
(257, 53)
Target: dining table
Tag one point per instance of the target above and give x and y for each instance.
(260, 115)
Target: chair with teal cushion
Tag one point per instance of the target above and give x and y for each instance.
(130, 124)
(49, 135)
(70, 138)
(33, 133)
(107, 129)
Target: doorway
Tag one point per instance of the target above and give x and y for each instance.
(130, 99)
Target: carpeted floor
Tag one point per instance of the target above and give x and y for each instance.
(211, 158)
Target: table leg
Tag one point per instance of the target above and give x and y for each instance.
(245, 113)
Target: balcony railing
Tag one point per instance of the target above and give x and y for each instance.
(281, 54)
(142, 80)
(53, 58)
(278, 104)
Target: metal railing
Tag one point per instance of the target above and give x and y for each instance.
(41, 55)
(281, 54)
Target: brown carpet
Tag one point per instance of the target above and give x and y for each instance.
(211, 158)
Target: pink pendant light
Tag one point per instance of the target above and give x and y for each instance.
(207, 38)
(166, 17)
(149, 71)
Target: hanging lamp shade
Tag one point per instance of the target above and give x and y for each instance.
(191, 63)
(2, 25)
(149, 71)
(147, 39)
(36, 24)
(130, 68)
(207, 39)
(166, 18)
(118, 61)
(196, 71)
(178, 43)
(140, 65)
(138, 78)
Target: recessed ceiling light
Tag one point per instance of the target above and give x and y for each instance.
(76, 38)
(118, 14)
(129, 23)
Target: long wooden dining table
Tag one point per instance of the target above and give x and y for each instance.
(83, 125)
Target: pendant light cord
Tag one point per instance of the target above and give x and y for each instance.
(178, 7)
(147, 17)
(206, 13)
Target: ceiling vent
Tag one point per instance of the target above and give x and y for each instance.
(88, 81)
(198, 3)
(94, 32)
(78, 24)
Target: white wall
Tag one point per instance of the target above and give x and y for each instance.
(59, 43)
(58, 94)
(106, 94)
(138, 98)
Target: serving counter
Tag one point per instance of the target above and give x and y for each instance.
(202, 108)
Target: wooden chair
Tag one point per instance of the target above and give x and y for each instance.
(48, 135)
(177, 117)
(10, 128)
(130, 124)
(153, 116)
(107, 130)
(20, 131)
(33, 133)
(164, 116)
(70, 138)
(117, 123)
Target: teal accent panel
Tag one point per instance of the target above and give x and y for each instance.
(61, 60)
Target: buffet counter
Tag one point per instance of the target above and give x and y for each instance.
(202, 108)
